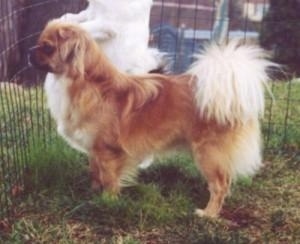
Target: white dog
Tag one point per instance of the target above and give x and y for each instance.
(121, 28)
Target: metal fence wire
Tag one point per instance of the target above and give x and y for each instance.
(178, 28)
(24, 120)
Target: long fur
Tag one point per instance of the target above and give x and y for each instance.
(121, 29)
(120, 119)
(229, 82)
(229, 90)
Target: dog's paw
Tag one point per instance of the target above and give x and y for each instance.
(71, 18)
(146, 162)
(202, 213)
(199, 212)
(109, 197)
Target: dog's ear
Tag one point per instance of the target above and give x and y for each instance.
(78, 56)
(65, 33)
(73, 49)
(65, 38)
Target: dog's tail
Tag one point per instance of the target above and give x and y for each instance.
(229, 82)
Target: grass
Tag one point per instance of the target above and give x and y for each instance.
(58, 206)
(22, 115)
(282, 116)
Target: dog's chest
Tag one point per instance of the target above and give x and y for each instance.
(65, 115)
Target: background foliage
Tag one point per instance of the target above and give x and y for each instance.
(280, 33)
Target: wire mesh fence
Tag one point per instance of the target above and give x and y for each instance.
(24, 120)
(178, 28)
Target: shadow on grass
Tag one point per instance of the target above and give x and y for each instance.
(159, 207)
(172, 178)
(162, 195)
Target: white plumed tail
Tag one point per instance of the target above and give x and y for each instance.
(229, 82)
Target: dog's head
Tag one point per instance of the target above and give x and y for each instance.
(61, 49)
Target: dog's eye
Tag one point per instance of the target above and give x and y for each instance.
(48, 49)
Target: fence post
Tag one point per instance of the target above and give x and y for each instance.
(220, 29)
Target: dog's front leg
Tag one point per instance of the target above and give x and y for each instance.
(99, 30)
(75, 18)
(106, 168)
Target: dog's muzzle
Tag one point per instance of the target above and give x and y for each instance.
(33, 60)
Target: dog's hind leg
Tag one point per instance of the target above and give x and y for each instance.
(210, 161)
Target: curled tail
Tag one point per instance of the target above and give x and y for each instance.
(229, 82)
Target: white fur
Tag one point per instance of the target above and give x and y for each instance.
(146, 162)
(229, 89)
(246, 157)
(230, 80)
(121, 28)
(64, 115)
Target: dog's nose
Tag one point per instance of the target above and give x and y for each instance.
(34, 60)
(31, 55)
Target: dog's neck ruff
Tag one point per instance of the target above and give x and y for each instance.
(64, 114)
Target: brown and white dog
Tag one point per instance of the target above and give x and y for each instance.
(119, 119)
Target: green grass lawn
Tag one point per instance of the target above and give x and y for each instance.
(57, 205)
(281, 123)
